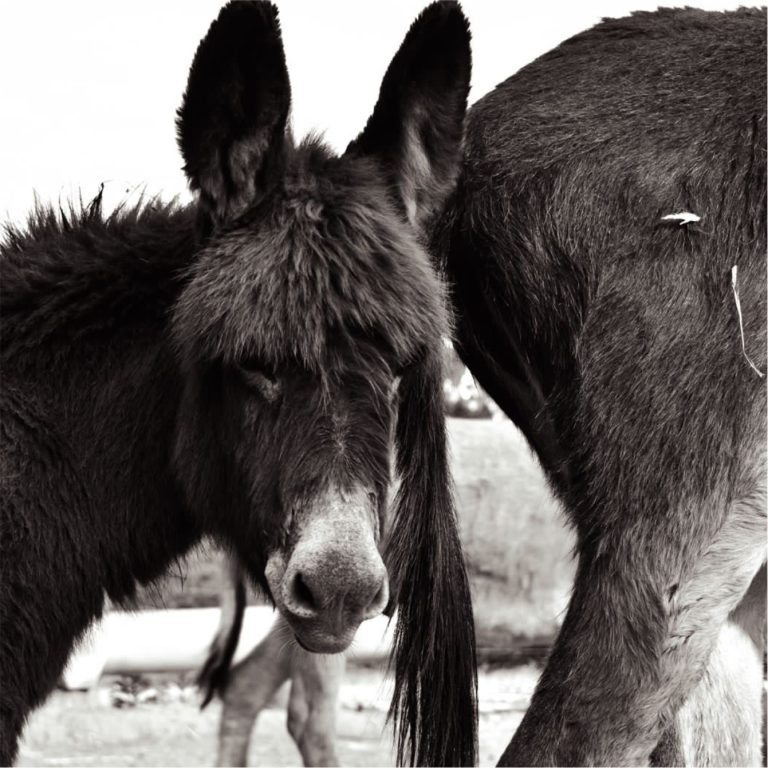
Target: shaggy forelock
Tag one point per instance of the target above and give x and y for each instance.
(327, 258)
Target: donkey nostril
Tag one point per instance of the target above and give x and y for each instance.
(302, 594)
(381, 596)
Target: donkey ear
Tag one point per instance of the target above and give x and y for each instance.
(416, 127)
(232, 121)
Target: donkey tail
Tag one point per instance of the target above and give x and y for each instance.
(435, 698)
(214, 675)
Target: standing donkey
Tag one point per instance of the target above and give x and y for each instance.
(606, 251)
(231, 370)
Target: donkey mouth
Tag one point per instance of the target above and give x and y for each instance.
(303, 645)
(321, 625)
(329, 631)
(328, 646)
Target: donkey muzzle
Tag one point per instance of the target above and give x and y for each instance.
(334, 577)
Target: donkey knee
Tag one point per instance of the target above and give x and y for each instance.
(312, 707)
(720, 721)
(296, 723)
(298, 711)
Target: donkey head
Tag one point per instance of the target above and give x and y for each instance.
(310, 328)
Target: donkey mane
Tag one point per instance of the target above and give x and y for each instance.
(70, 273)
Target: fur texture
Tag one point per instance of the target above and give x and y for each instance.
(611, 337)
(172, 373)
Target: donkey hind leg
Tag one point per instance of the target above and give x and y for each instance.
(315, 687)
(630, 650)
(252, 683)
(721, 721)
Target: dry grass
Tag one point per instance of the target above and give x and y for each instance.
(82, 729)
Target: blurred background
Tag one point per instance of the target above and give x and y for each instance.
(90, 90)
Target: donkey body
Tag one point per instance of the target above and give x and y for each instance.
(612, 337)
(232, 370)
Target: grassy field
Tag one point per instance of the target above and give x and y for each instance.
(74, 730)
(83, 729)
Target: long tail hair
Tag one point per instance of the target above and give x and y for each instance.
(213, 677)
(435, 700)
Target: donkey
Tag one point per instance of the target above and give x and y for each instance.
(606, 252)
(231, 369)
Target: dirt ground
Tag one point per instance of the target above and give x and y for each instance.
(85, 729)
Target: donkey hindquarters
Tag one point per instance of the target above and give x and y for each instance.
(611, 336)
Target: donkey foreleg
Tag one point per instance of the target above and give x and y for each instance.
(315, 687)
(252, 683)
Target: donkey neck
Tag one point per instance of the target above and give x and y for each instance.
(85, 340)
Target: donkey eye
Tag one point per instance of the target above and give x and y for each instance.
(261, 375)
(255, 365)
